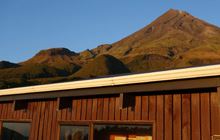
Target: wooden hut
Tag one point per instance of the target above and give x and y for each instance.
(182, 104)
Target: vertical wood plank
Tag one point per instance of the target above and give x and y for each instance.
(64, 114)
(5, 111)
(54, 127)
(94, 108)
(1, 109)
(10, 113)
(84, 106)
(106, 108)
(89, 109)
(215, 112)
(15, 116)
(36, 121)
(69, 110)
(59, 113)
(79, 109)
(138, 108)
(124, 113)
(131, 108)
(177, 117)
(25, 111)
(33, 124)
(112, 108)
(205, 116)
(20, 113)
(186, 131)
(160, 118)
(74, 109)
(100, 109)
(152, 107)
(41, 121)
(145, 111)
(29, 110)
(46, 120)
(168, 117)
(33, 109)
(195, 110)
(131, 113)
(49, 121)
(117, 109)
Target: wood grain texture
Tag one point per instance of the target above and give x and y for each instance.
(144, 108)
(186, 120)
(117, 109)
(215, 112)
(178, 115)
(168, 117)
(94, 109)
(100, 108)
(205, 116)
(106, 109)
(84, 109)
(78, 109)
(89, 109)
(137, 108)
(195, 110)
(112, 108)
(152, 107)
(160, 118)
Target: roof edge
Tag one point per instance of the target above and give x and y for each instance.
(178, 74)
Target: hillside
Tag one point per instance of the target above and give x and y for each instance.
(176, 39)
(6, 64)
(60, 58)
(101, 66)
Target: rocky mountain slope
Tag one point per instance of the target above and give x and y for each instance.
(176, 37)
(174, 40)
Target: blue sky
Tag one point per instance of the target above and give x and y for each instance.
(27, 26)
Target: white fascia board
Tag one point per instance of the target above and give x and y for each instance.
(186, 73)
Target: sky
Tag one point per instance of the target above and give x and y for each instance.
(28, 26)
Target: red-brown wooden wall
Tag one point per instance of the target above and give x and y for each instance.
(177, 115)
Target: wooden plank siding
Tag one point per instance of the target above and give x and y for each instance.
(178, 115)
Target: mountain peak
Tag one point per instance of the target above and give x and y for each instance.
(172, 16)
(177, 11)
(56, 51)
(174, 12)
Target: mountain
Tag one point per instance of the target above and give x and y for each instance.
(60, 58)
(101, 66)
(176, 39)
(6, 64)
